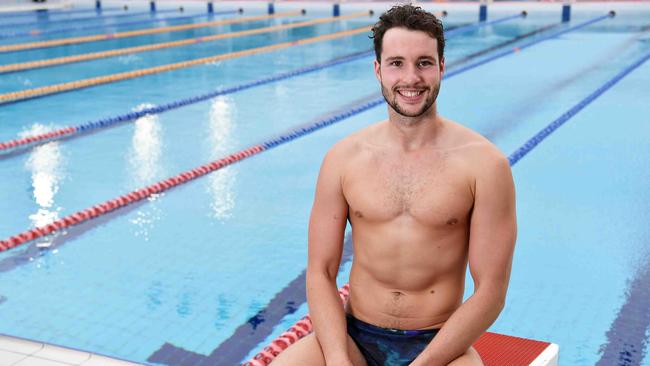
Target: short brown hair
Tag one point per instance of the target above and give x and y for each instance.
(409, 17)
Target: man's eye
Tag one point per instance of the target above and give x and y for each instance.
(426, 63)
(396, 63)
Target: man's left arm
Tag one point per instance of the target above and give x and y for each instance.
(493, 230)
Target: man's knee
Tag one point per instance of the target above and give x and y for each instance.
(470, 358)
(306, 351)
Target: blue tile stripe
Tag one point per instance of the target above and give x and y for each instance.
(119, 24)
(626, 343)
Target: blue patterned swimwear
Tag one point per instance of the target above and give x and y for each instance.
(388, 347)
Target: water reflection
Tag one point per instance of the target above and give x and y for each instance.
(46, 166)
(146, 149)
(144, 159)
(222, 182)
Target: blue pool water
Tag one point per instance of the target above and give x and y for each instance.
(182, 271)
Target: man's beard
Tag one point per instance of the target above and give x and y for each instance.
(427, 103)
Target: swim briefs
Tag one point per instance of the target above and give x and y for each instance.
(388, 347)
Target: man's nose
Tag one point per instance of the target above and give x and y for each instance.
(412, 75)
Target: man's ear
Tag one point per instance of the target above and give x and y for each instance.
(442, 66)
(378, 70)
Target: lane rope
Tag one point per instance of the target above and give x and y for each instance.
(37, 32)
(85, 19)
(163, 45)
(135, 196)
(141, 32)
(67, 132)
(63, 87)
(304, 326)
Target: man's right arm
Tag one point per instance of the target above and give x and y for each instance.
(326, 230)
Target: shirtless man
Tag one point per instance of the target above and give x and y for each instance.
(424, 196)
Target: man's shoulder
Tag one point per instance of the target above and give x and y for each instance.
(354, 142)
(479, 152)
(473, 143)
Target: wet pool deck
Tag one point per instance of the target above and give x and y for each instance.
(22, 352)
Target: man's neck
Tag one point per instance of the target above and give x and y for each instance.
(413, 133)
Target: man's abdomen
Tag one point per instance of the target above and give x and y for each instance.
(400, 308)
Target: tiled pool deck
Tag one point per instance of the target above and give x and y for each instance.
(21, 352)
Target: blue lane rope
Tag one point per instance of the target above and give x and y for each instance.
(544, 133)
(47, 22)
(532, 43)
(107, 122)
(120, 24)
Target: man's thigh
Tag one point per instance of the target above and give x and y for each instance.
(307, 351)
(470, 358)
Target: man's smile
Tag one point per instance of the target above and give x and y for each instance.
(410, 93)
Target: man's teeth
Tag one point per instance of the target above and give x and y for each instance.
(410, 93)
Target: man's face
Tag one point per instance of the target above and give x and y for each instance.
(410, 71)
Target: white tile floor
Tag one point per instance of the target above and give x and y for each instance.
(21, 352)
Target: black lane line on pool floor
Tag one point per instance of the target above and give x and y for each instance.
(256, 329)
(626, 343)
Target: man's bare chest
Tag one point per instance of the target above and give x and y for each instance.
(431, 190)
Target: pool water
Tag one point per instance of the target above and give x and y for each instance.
(183, 270)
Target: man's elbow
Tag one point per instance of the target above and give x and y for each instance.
(320, 275)
(496, 295)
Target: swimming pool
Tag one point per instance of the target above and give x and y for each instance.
(174, 277)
